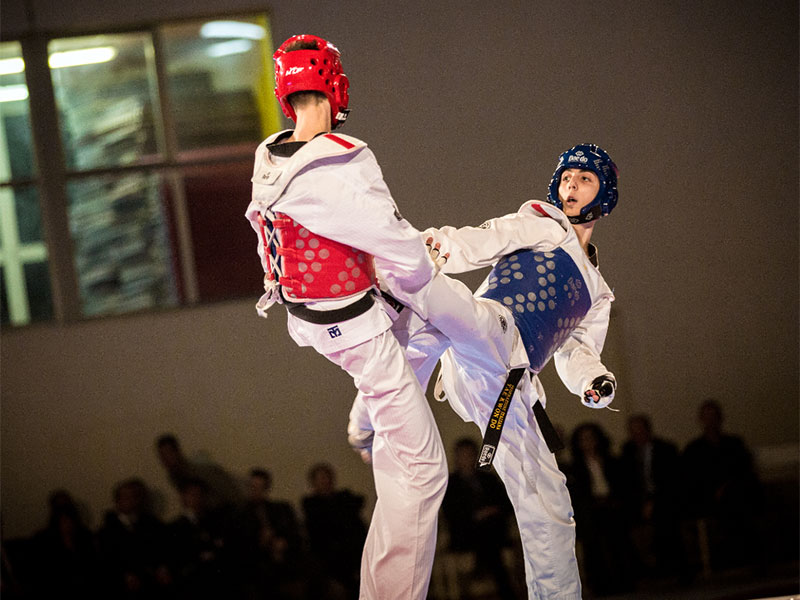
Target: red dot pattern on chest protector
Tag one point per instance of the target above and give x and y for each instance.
(315, 267)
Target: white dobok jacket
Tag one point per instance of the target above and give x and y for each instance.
(543, 228)
(334, 187)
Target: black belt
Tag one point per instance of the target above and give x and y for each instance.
(326, 317)
(498, 418)
(393, 302)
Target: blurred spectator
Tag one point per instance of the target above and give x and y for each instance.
(10, 553)
(64, 554)
(268, 546)
(721, 487)
(336, 530)
(477, 510)
(596, 484)
(197, 547)
(651, 468)
(132, 544)
(562, 454)
(223, 491)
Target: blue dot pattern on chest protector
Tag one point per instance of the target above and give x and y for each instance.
(547, 296)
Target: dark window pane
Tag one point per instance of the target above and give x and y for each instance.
(224, 243)
(123, 256)
(4, 318)
(22, 251)
(16, 145)
(106, 95)
(220, 84)
(29, 215)
(37, 280)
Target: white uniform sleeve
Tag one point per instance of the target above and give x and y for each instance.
(349, 202)
(578, 361)
(472, 248)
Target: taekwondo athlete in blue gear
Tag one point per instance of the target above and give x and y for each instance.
(546, 283)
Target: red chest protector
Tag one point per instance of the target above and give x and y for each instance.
(308, 266)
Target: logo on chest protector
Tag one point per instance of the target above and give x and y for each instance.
(503, 323)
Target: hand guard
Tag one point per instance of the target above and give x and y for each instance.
(434, 250)
(601, 393)
(361, 441)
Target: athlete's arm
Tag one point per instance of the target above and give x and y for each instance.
(472, 248)
(349, 202)
(578, 360)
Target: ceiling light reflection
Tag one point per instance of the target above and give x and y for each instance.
(85, 56)
(232, 29)
(9, 66)
(228, 48)
(13, 93)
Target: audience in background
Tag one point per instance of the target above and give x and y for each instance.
(132, 543)
(267, 548)
(598, 490)
(64, 559)
(223, 491)
(336, 531)
(722, 490)
(477, 512)
(224, 545)
(650, 466)
(197, 545)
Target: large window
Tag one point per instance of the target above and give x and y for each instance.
(220, 91)
(24, 277)
(107, 99)
(156, 130)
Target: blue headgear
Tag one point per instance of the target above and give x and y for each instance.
(589, 157)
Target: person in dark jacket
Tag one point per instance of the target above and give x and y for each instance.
(597, 486)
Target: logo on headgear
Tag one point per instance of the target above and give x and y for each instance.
(578, 157)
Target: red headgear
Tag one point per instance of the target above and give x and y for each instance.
(318, 69)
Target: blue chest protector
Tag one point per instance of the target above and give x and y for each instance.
(547, 295)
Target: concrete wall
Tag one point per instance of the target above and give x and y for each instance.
(467, 106)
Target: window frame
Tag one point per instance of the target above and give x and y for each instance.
(52, 175)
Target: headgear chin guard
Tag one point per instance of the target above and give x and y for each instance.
(589, 157)
(311, 69)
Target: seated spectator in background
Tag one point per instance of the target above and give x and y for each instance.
(335, 528)
(64, 554)
(132, 546)
(224, 492)
(477, 510)
(721, 486)
(12, 557)
(650, 465)
(267, 544)
(596, 484)
(197, 547)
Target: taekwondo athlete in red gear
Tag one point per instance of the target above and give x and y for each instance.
(325, 220)
(544, 297)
